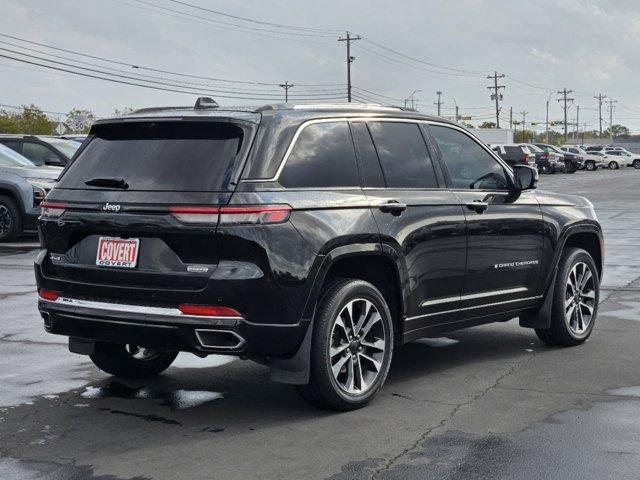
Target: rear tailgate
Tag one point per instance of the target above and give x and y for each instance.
(156, 183)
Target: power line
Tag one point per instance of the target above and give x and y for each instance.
(157, 70)
(246, 19)
(220, 22)
(153, 87)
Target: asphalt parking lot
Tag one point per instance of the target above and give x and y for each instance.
(489, 402)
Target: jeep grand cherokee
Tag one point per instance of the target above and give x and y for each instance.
(315, 239)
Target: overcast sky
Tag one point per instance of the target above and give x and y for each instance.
(588, 46)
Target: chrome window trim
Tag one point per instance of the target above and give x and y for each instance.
(473, 296)
(305, 124)
(292, 144)
(474, 307)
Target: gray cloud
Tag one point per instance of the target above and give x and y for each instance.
(587, 45)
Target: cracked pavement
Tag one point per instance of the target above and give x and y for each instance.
(488, 402)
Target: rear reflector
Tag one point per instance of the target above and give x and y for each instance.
(50, 295)
(52, 209)
(233, 215)
(209, 310)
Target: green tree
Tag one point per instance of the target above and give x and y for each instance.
(30, 120)
(487, 125)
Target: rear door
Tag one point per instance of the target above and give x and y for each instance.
(504, 229)
(422, 221)
(155, 185)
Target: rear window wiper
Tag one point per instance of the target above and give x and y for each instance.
(108, 182)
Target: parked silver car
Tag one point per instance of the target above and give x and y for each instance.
(23, 187)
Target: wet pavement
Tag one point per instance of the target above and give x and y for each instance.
(489, 402)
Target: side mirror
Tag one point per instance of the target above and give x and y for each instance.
(526, 177)
(53, 161)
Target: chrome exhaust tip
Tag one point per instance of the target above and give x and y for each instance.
(219, 339)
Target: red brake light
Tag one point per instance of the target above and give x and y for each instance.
(209, 310)
(233, 215)
(50, 295)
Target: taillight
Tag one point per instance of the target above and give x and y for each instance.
(52, 209)
(233, 215)
(208, 215)
(209, 310)
(50, 295)
(544, 156)
(254, 215)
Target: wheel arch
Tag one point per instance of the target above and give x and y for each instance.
(587, 236)
(366, 261)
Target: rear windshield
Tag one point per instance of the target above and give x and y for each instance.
(158, 156)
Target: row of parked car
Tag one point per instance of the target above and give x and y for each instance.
(29, 168)
(568, 158)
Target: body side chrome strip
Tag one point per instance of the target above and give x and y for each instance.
(492, 293)
(474, 307)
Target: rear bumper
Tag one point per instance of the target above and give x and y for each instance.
(164, 329)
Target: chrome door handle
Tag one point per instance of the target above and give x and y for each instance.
(478, 206)
(393, 207)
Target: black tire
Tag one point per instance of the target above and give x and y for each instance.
(560, 332)
(569, 167)
(545, 169)
(10, 220)
(636, 164)
(613, 165)
(324, 389)
(117, 359)
(590, 165)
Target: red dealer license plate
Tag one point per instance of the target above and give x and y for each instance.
(117, 252)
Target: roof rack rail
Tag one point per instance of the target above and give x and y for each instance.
(345, 106)
(156, 109)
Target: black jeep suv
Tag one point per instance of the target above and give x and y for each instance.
(315, 239)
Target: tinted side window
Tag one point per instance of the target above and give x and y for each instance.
(513, 151)
(470, 165)
(37, 153)
(404, 156)
(369, 162)
(323, 156)
(12, 144)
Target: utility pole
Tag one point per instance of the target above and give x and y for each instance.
(547, 121)
(564, 92)
(510, 118)
(524, 117)
(577, 134)
(350, 60)
(600, 98)
(286, 86)
(611, 107)
(496, 95)
(439, 102)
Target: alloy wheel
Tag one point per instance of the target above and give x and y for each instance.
(580, 298)
(6, 221)
(357, 346)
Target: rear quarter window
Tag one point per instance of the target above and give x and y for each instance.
(322, 156)
(160, 156)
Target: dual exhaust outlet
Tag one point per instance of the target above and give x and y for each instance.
(210, 338)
